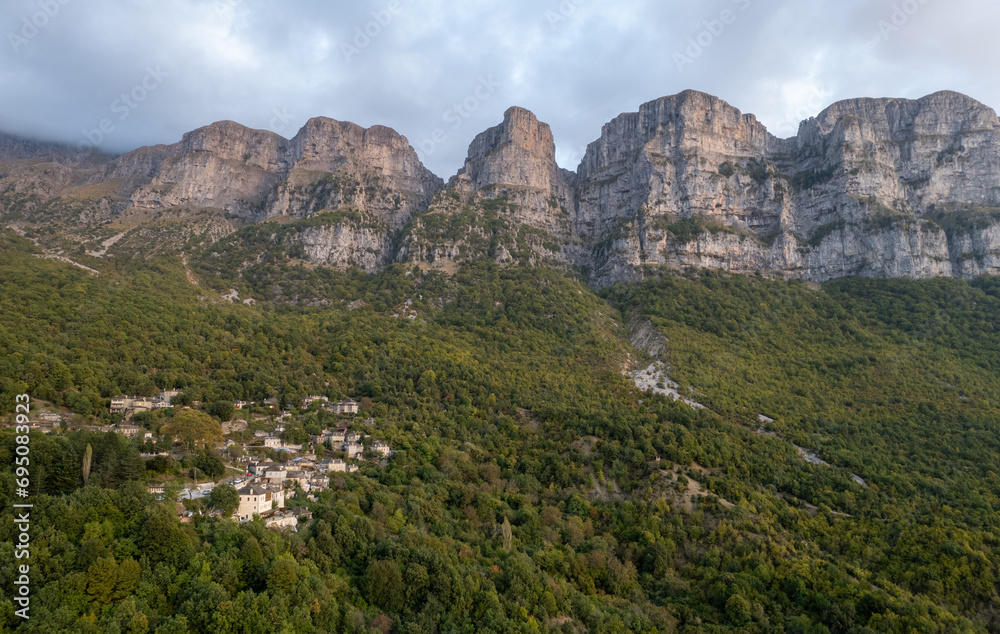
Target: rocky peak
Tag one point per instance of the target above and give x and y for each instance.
(231, 141)
(909, 155)
(140, 164)
(517, 160)
(689, 120)
(867, 187)
(944, 113)
(519, 153)
(326, 144)
(376, 170)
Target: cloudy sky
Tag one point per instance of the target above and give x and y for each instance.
(440, 72)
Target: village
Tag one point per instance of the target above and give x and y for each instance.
(272, 472)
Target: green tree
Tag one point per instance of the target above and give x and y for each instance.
(225, 499)
(132, 467)
(194, 428)
(738, 610)
(210, 464)
(384, 585)
(284, 574)
(129, 572)
(223, 410)
(102, 577)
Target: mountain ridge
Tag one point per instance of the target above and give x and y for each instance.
(878, 187)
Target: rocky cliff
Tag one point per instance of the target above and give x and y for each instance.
(516, 160)
(509, 202)
(256, 174)
(875, 187)
(218, 178)
(335, 164)
(222, 166)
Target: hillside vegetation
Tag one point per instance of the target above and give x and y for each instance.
(506, 400)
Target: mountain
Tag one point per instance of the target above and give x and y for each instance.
(586, 432)
(873, 187)
(831, 466)
(510, 201)
(870, 187)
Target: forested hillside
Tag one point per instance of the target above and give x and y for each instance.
(534, 488)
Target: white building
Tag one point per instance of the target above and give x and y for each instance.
(327, 466)
(129, 430)
(350, 406)
(302, 477)
(258, 499)
(259, 468)
(335, 436)
(120, 403)
(276, 474)
(168, 395)
(143, 404)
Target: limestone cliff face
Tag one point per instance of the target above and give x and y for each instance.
(665, 161)
(341, 246)
(876, 187)
(336, 164)
(225, 174)
(222, 166)
(510, 202)
(256, 174)
(516, 160)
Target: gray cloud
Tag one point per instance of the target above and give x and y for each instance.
(66, 66)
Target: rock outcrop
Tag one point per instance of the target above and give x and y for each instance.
(336, 164)
(877, 187)
(256, 174)
(221, 166)
(516, 160)
(510, 202)
(224, 175)
(874, 187)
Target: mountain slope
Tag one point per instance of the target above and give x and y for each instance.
(506, 400)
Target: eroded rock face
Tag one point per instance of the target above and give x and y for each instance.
(341, 246)
(665, 159)
(337, 164)
(256, 174)
(516, 160)
(224, 166)
(876, 187)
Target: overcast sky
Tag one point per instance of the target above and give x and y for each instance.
(440, 72)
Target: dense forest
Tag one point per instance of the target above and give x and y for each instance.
(534, 487)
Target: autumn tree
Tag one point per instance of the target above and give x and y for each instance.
(194, 428)
(88, 457)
